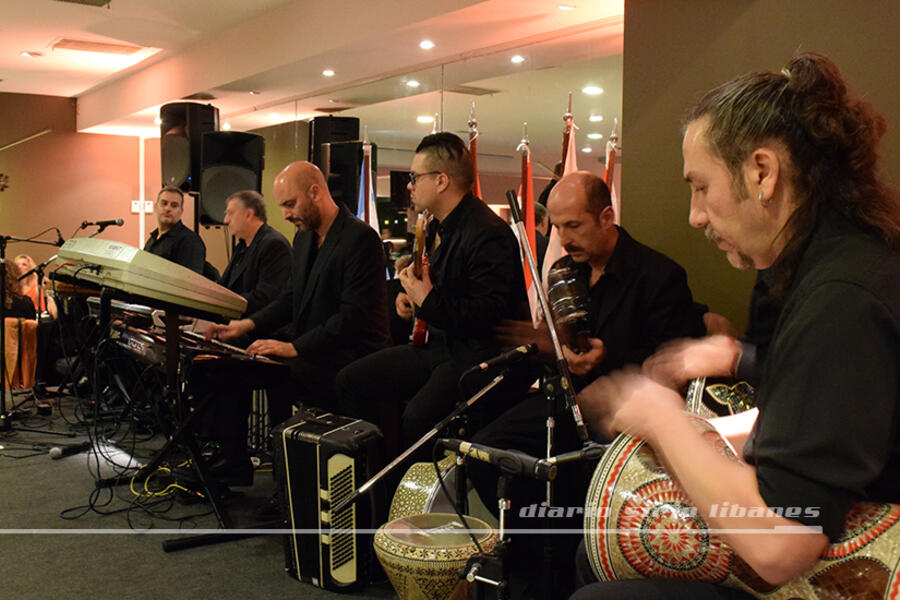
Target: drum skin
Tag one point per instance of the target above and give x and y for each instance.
(639, 523)
(423, 554)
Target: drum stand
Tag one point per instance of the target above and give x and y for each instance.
(491, 569)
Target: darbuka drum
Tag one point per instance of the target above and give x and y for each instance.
(638, 523)
(420, 491)
(422, 554)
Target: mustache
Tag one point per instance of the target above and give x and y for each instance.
(711, 234)
(570, 248)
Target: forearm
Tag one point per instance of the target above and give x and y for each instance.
(726, 494)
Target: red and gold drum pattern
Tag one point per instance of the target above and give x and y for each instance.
(639, 523)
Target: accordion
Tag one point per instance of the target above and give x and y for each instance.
(319, 459)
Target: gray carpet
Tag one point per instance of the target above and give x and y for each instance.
(111, 550)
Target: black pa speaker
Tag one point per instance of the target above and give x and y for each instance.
(325, 130)
(343, 167)
(182, 124)
(231, 161)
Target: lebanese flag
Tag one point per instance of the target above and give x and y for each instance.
(610, 171)
(555, 250)
(473, 148)
(526, 202)
(366, 208)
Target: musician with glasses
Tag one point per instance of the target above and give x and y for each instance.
(474, 281)
(171, 239)
(784, 176)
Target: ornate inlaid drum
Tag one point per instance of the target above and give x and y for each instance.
(639, 523)
(420, 491)
(422, 554)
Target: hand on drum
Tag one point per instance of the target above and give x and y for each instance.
(272, 348)
(582, 364)
(518, 333)
(404, 306)
(628, 402)
(679, 361)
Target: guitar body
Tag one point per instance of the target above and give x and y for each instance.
(639, 524)
(419, 334)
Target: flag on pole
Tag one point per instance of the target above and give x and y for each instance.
(610, 170)
(366, 210)
(526, 203)
(555, 250)
(473, 148)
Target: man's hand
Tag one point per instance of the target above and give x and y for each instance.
(272, 348)
(234, 329)
(518, 333)
(402, 262)
(404, 306)
(628, 402)
(582, 364)
(417, 289)
(679, 361)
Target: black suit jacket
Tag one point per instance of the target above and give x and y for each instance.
(641, 301)
(261, 271)
(336, 305)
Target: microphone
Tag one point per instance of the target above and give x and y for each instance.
(591, 451)
(69, 450)
(510, 462)
(103, 224)
(508, 357)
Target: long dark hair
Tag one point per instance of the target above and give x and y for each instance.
(12, 282)
(832, 137)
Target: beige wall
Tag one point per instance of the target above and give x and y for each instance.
(677, 49)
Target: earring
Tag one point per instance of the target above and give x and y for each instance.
(764, 202)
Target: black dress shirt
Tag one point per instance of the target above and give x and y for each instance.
(261, 271)
(180, 245)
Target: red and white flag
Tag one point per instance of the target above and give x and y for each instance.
(609, 177)
(555, 250)
(473, 148)
(526, 204)
(366, 209)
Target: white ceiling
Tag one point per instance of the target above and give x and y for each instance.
(224, 49)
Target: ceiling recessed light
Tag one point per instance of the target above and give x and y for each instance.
(328, 73)
(426, 44)
(586, 149)
(425, 119)
(254, 93)
(226, 126)
(562, 6)
(516, 59)
(595, 136)
(596, 118)
(30, 54)
(592, 90)
(413, 83)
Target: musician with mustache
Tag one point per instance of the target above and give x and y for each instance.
(784, 175)
(638, 299)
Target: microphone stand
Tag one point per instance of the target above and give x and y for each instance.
(556, 387)
(5, 416)
(460, 409)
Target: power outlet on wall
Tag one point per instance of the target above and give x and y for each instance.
(135, 207)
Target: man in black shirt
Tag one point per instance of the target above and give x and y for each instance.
(333, 312)
(783, 170)
(475, 281)
(261, 264)
(171, 239)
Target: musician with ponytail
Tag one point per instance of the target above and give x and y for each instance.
(784, 174)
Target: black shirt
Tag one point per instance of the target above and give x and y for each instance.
(478, 281)
(179, 245)
(641, 300)
(22, 308)
(829, 395)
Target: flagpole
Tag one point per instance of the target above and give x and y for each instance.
(367, 172)
(473, 150)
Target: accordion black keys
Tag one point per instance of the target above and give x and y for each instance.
(319, 459)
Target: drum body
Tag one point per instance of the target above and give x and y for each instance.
(420, 491)
(639, 523)
(423, 554)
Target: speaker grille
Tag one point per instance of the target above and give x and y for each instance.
(218, 184)
(176, 159)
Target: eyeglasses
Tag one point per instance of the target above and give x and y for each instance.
(413, 177)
